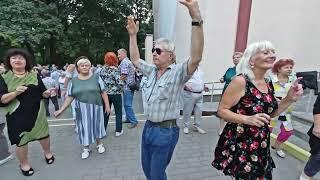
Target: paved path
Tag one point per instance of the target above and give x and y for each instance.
(121, 161)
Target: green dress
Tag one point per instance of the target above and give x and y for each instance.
(228, 76)
(26, 115)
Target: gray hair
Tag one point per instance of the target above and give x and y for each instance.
(244, 66)
(83, 61)
(168, 46)
(123, 50)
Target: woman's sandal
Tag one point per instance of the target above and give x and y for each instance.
(29, 172)
(49, 160)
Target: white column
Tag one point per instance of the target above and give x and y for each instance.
(148, 47)
(164, 18)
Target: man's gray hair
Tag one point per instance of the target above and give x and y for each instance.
(244, 66)
(123, 50)
(167, 44)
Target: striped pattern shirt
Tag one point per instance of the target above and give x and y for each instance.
(162, 96)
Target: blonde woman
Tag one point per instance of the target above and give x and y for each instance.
(243, 149)
(87, 90)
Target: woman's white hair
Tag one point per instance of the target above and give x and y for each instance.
(83, 61)
(244, 66)
(168, 46)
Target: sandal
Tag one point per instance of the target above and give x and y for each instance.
(49, 160)
(29, 172)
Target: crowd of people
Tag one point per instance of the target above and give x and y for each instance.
(253, 102)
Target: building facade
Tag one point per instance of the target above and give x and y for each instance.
(291, 25)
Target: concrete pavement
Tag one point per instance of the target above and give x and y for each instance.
(121, 161)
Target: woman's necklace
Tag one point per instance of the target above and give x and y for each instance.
(20, 74)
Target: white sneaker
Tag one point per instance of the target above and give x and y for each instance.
(119, 133)
(85, 154)
(6, 159)
(303, 176)
(186, 130)
(201, 131)
(101, 149)
(281, 154)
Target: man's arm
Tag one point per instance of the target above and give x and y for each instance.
(133, 29)
(197, 39)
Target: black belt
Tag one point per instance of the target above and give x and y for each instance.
(282, 118)
(191, 91)
(165, 124)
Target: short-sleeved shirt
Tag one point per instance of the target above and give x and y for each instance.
(314, 141)
(111, 79)
(87, 91)
(126, 68)
(196, 82)
(50, 83)
(162, 96)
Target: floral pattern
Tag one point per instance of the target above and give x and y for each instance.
(243, 150)
(111, 79)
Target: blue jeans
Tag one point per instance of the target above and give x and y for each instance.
(313, 165)
(156, 150)
(127, 101)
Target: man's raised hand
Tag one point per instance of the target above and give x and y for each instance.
(132, 27)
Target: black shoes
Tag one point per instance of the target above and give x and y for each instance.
(29, 172)
(49, 160)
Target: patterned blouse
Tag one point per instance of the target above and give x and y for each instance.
(111, 79)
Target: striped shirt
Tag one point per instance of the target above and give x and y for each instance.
(162, 96)
(126, 68)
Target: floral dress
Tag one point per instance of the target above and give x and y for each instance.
(243, 150)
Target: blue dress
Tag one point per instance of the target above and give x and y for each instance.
(89, 108)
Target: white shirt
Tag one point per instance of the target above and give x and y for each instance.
(196, 83)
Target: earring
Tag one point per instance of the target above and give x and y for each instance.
(252, 66)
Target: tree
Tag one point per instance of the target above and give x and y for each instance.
(29, 23)
(6, 42)
(57, 31)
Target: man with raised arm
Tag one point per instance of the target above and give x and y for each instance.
(165, 84)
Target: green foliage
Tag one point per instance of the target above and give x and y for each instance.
(6, 42)
(57, 31)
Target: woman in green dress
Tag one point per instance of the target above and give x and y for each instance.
(21, 95)
(91, 102)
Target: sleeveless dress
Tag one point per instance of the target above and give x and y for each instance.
(243, 150)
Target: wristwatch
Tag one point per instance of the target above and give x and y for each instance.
(197, 23)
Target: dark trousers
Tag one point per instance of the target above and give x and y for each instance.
(116, 100)
(54, 101)
(156, 150)
(313, 165)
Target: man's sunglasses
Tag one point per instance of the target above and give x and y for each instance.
(157, 50)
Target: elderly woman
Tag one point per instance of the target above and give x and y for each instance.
(247, 105)
(282, 82)
(226, 78)
(110, 75)
(89, 94)
(22, 93)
